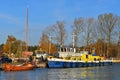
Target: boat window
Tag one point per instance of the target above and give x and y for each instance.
(94, 59)
(86, 56)
(98, 59)
(79, 58)
(61, 49)
(74, 58)
(64, 49)
(50, 57)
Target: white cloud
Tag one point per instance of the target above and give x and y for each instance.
(9, 19)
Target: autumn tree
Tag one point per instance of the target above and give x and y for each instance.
(18, 47)
(100, 47)
(32, 48)
(7, 46)
(77, 28)
(1, 47)
(51, 33)
(107, 23)
(14, 46)
(46, 45)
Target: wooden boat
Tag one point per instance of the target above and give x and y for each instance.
(24, 67)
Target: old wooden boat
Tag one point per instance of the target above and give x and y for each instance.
(24, 67)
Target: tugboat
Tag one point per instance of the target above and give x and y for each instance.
(71, 59)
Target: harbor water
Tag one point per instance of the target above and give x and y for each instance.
(111, 72)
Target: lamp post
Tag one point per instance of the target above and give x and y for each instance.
(50, 43)
(73, 36)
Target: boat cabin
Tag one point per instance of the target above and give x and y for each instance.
(68, 51)
(90, 57)
(40, 54)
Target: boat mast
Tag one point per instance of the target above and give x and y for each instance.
(27, 29)
(73, 36)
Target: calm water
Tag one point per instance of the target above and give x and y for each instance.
(111, 72)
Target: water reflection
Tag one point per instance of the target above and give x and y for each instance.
(37, 74)
(86, 73)
(70, 74)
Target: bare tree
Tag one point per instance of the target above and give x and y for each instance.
(77, 28)
(57, 32)
(118, 26)
(98, 38)
(107, 23)
(88, 30)
(60, 32)
(50, 30)
(118, 32)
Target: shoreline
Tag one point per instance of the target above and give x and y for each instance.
(116, 61)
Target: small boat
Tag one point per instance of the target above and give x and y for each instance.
(24, 67)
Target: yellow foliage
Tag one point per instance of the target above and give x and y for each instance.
(46, 45)
(7, 46)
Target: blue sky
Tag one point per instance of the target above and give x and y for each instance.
(43, 13)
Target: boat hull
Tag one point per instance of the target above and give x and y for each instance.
(75, 64)
(66, 64)
(9, 67)
(80, 64)
(55, 64)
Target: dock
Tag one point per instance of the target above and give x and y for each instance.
(41, 65)
(1, 67)
(116, 61)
